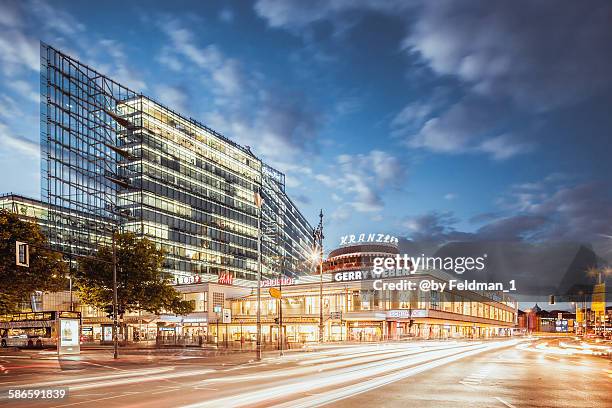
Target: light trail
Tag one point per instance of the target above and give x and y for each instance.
(352, 390)
(329, 364)
(114, 380)
(355, 373)
(100, 377)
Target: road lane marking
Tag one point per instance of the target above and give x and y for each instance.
(509, 405)
(475, 378)
(102, 365)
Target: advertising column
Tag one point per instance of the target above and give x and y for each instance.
(69, 333)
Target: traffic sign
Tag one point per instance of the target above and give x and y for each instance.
(275, 293)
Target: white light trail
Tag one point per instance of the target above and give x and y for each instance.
(354, 373)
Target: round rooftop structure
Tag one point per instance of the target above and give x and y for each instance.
(357, 257)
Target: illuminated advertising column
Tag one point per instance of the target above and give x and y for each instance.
(68, 335)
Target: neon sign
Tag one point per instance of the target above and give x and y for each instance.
(284, 281)
(187, 280)
(226, 278)
(365, 238)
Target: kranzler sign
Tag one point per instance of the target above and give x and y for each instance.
(368, 238)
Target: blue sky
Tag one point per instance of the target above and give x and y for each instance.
(428, 120)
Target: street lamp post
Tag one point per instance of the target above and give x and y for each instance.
(258, 203)
(318, 238)
(280, 311)
(70, 281)
(115, 339)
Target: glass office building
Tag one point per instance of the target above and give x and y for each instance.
(133, 164)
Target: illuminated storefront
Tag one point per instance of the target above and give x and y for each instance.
(354, 311)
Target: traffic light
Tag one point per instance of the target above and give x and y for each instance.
(276, 321)
(22, 254)
(551, 299)
(109, 311)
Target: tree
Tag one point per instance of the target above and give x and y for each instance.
(47, 271)
(141, 283)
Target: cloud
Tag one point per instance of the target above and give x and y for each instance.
(341, 213)
(531, 212)
(503, 147)
(224, 74)
(472, 125)
(296, 15)
(539, 55)
(175, 96)
(18, 49)
(514, 228)
(25, 89)
(506, 61)
(119, 67)
(529, 58)
(287, 14)
(363, 179)
(55, 19)
(412, 115)
(433, 226)
(11, 143)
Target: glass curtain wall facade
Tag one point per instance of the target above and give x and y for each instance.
(80, 151)
(287, 243)
(129, 161)
(195, 192)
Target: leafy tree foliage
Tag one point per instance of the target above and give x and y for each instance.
(141, 283)
(47, 271)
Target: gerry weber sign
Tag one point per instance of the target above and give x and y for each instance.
(367, 238)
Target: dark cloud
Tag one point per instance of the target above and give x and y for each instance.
(545, 220)
(547, 247)
(434, 226)
(509, 59)
(539, 214)
(512, 228)
(540, 54)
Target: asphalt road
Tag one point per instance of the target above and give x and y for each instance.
(506, 373)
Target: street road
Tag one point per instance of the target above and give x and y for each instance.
(508, 373)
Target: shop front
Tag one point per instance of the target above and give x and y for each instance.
(366, 326)
(295, 330)
(365, 331)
